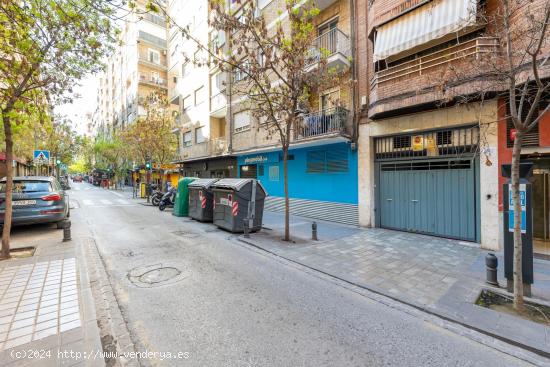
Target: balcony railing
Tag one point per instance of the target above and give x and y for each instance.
(329, 44)
(149, 61)
(144, 78)
(208, 148)
(218, 101)
(326, 122)
(422, 65)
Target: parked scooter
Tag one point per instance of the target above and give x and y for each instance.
(156, 196)
(168, 199)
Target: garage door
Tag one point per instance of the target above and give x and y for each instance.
(435, 197)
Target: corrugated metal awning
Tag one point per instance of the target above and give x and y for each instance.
(426, 23)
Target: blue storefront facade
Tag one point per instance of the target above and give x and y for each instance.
(322, 180)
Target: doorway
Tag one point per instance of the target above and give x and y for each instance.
(541, 207)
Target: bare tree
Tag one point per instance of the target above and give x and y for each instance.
(275, 72)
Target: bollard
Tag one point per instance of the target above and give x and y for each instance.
(66, 230)
(491, 262)
(246, 229)
(314, 231)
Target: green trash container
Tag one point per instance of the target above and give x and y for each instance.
(181, 206)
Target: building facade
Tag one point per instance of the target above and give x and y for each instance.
(135, 70)
(430, 149)
(198, 91)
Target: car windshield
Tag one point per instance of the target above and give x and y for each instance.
(23, 186)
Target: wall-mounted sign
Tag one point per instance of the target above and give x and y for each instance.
(431, 147)
(417, 143)
(256, 159)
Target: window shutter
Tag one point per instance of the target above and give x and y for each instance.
(316, 161)
(337, 160)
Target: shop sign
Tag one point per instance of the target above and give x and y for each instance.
(256, 159)
(417, 143)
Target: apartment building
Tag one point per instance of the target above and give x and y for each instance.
(198, 91)
(322, 161)
(136, 69)
(428, 164)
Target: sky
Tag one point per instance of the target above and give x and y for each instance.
(84, 103)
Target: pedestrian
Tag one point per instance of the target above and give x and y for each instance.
(136, 187)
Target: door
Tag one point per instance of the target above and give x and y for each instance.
(327, 36)
(433, 197)
(541, 208)
(248, 171)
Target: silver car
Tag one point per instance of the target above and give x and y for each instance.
(36, 199)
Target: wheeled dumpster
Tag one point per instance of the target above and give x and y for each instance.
(181, 204)
(201, 199)
(237, 200)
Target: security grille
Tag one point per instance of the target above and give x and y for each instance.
(327, 161)
(455, 142)
(427, 165)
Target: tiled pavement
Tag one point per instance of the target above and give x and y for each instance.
(37, 300)
(46, 303)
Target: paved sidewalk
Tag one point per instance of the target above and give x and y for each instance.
(438, 275)
(46, 307)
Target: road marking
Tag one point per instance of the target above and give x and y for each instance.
(117, 194)
(87, 202)
(122, 201)
(106, 202)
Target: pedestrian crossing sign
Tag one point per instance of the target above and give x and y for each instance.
(41, 156)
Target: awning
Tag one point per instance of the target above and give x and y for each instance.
(428, 22)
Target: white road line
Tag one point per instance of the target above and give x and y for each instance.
(122, 201)
(106, 202)
(87, 202)
(117, 194)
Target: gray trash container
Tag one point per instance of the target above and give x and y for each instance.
(201, 199)
(237, 199)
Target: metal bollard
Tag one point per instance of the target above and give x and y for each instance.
(491, 262)
(246, 229)
(66, 231)
(314, 231)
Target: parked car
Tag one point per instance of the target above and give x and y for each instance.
(36, 199)
(77, 178)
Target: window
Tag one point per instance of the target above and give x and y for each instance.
(241, 121)
(240, 73)
(327, 161)
(155, 77)
(273, 173)
(184, 68)
(261, 170)
(187, 139)
(199, 135)
(186, 103)
(402, 141)
(154, 56)
(200, 95)
(263, 3)
(329, 99)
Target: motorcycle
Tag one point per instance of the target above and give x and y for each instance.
(168, 199)
(156, 196)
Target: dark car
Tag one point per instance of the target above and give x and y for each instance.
(36, 199)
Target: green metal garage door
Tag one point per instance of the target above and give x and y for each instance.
(435, 197)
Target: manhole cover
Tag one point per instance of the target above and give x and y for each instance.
(155, 275)
(159, 275)
(186, 234)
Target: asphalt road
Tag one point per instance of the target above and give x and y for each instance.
(226, 304)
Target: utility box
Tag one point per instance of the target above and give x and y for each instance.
(526, 225)
(201, 199)
(181, 204)
(143, 190)
(237, 200)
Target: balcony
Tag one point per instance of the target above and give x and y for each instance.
(144, 59)
(153, 81)
(328, 122)
(209, 148)
(174, 96)
(335, 47)
(461, 61)
(218, 105)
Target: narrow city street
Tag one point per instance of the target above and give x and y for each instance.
(188, 287)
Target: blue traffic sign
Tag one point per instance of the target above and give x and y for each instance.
(42, 155)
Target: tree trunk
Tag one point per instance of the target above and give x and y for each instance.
(9, 186)
(287, 203)
(518, 272)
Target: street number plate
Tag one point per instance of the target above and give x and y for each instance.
(24, 202)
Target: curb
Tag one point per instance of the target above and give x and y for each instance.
(428, 311)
